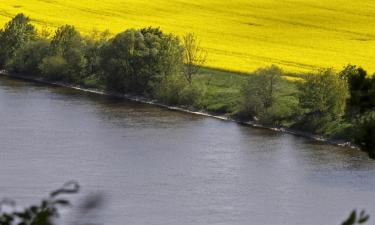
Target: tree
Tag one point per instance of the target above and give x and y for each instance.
(93, 44)
(28, 58)
(68, 44)
(364, 132)
(54, 68)
(135, 58)
(16, 34)
(323, 99)
(175, 90)
(194, 56)
(259, 92)
(362, 88)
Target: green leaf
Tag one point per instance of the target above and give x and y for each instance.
(352, 219)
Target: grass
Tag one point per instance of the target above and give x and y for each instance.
(240, 35)
(223, 90)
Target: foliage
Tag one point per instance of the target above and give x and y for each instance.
(168, 89)
(93, 44)
(43, 213)
(68, 44)
(16, 34)
(356, 219)
(192, 95)
(259, 94)
(362, 88)
(175, 90)
(323, 101)
(54, 68)
(134, 58)
(28, 58)
(364, 135)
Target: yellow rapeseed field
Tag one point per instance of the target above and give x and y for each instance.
(298, 35)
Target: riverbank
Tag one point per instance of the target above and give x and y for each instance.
(190, 110)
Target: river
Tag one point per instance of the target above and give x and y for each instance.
(160, 167)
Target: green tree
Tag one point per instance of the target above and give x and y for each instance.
(28, 58)
(135, 58)
(323, 100)
(259, 93)
(54, 68)
(68, 44)
(16, 34)
(364, 132)
(175, 90)
(168, 89)
(93, 44)
(362, 88)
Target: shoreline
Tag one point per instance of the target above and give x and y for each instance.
(140, 99)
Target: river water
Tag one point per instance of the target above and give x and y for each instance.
(155, 166)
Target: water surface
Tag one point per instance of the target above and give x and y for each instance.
(162, 167)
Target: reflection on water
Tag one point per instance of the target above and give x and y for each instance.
(158, 166)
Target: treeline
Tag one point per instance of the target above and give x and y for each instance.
(140, 61)
(339, 105)
(161, 66)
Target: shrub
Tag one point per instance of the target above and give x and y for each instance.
(54, 68)
(28, 58)
(192, 94)
(323, 99)
(175, 90)
(364, 132)
(168, 90)
(259, 94)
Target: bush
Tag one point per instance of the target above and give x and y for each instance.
(168, 89)
(175, 90)
(54, 68)
(280, 113)
(364, 133)
(192, 94)
(28, 58)
(323, 101)
(259, 95)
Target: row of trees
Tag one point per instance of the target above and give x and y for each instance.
(328, 103)
(134, 61)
